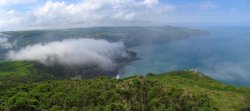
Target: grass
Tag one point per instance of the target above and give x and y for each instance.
(224, 97)
(15, 68)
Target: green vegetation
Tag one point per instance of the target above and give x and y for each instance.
(16, 68)
(135, 93)
(179, 90)
(15, 73)
(222, 96)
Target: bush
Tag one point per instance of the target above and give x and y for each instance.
(135, 93)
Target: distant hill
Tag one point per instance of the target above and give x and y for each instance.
(131, 36)
(35, 89)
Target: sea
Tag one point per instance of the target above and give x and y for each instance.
(223, 55)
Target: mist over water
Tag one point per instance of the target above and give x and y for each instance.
(222, 55)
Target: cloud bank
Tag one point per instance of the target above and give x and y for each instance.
(84, 52)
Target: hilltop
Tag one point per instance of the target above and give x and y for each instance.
(36, 89)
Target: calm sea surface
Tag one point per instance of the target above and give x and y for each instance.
(223, 55)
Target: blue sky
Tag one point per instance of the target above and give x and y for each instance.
(42, 14)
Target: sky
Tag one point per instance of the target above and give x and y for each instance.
(55, 14)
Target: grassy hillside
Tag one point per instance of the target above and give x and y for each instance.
(15, 73)
(224, 97)
(16, 68)
(179, 90)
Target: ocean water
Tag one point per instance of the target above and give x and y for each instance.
(224, 55)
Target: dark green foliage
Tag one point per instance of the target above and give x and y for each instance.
(136, 93)
(179, 90)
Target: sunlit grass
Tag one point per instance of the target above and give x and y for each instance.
(17, 68)
(224, 97)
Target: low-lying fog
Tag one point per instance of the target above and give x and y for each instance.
(84, 52)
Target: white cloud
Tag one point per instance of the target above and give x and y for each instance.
(53, 13)
(10, 18)
(150, 3)
(84, 52)
(59, 14)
